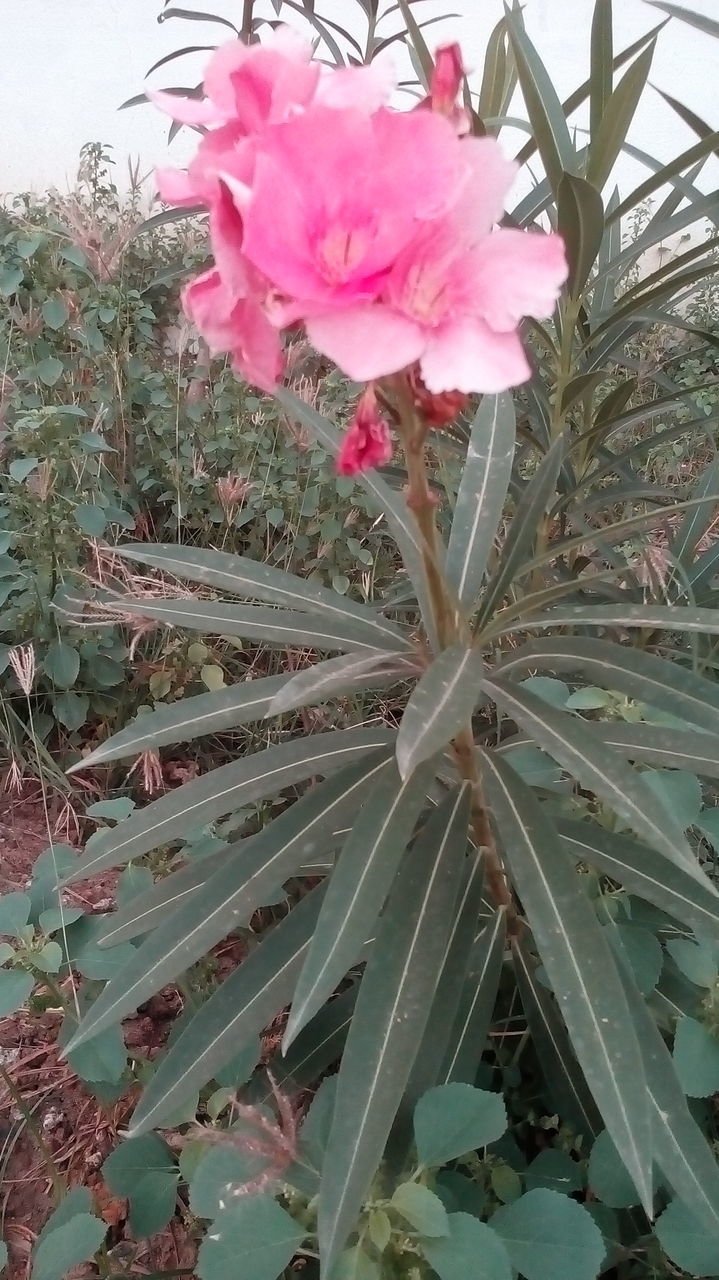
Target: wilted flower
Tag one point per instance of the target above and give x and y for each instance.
(367, 442)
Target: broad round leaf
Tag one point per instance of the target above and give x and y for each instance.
(550, 1237)
(74, 1242)
(469, 1245)
(421, 1208)
(608, 1177)
(455, 1118)
(696, 1058)
(257, 1231)
(686, 1241)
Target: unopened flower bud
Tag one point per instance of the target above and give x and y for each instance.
(367, 442)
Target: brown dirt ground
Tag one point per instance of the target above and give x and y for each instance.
(77, 1130)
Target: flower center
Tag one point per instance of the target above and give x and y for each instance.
(425, 294)
(341, 251)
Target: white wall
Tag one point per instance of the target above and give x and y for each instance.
(65, 65)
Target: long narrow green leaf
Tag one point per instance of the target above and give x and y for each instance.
(689, 117)
(696, 522)
(529, 206)
(418, 43)
(699, 151)
(230, 896)
(146, 910)
(617, 118)
(390, 1017)
(580, 221)
(360, 883)
(668, 617)
(601, 59)
(598, 768)
(580, 966)
(680, 1149)
(704, 207)
(223, 790)
(252, 580)
(494, 74)
(240, 1009)
(394, 506)
(316, 1048)
(188, 719)
(345, 674)
(646, 873)
(701, 21)
(669, 748)
(611, 534)
(439, 706)
(476, 1006)
(271, 626)
(544, 109)
(523, 528)
(641, 676)
(459, 955)
(482, 492)
(565, 1083)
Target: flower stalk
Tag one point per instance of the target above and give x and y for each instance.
(449, 628)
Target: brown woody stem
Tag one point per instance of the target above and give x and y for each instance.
(449, 627)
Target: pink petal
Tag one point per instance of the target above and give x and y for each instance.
(226, 238)
(515, 274)
(191, 111)
(366, 88)
(258, 83)
(176, 187)
(489, 176)
(257, 353)
(466, 355)
(367, 341)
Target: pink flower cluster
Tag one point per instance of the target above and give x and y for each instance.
(374, 228)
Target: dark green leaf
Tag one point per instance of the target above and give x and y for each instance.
(688, 1165)
(685, 1240)
(550, 1237)
(554, 1170)
(616, 119)
(701, 21)
(253, 580)
(390, 1016)
(696, 1058)
(194, 15)
(579, 964)
(239, 1010)
(482, 492)
(439, 706)
(544, 109)
(359, 885)
(143, 1171)
(421, 1208)
(15, 988)
(608, 1177)
(256, 1230)
(602, 56)
(646, 873)
(469, 1240)
(62, 664)
(642, 676)
(230, 896)
(580, 220)
(456, 1118)
(222, 791)
(74, 1242)
(565, 1082)
(469, 1033)
(344, 674)
(598, 768)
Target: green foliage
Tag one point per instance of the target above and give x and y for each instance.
(485, 910)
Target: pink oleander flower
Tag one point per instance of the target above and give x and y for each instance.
(354, 191)
(375, 229)
(367, 442)
(455, 295)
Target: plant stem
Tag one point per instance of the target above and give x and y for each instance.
(246, 28)
(56, 1177)
(449, 626)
